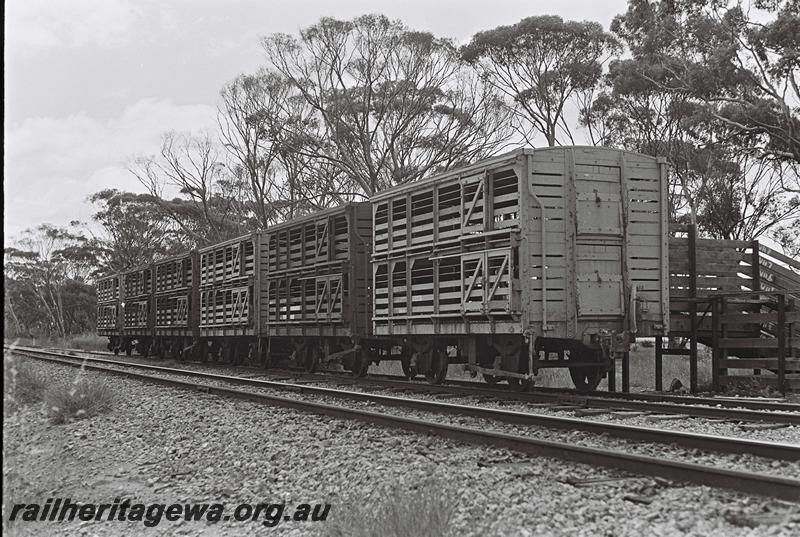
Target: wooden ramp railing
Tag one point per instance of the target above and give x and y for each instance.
(770, 351)
(750, 276)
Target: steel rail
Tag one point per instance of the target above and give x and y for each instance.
(787, 414)
(715, 407)
(748, 482)
(724, 444)
(624, 398)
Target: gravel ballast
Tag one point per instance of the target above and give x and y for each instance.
(741, 429)
(166, 445)
(732, 461)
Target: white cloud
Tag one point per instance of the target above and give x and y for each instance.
(53, 164)
(33, 25)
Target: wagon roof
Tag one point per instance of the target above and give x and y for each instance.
(137, 268)
(494, 162)
(282, 225)
(234, 240)
(175, 257)
(314, 216)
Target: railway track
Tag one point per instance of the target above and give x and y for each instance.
(750, 482)
(727, 409)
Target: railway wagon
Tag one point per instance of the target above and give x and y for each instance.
(175, 302)
(316, 280)
(109, 321)
(298, 290)
(138, 316)
(229, 289)
(539, 258)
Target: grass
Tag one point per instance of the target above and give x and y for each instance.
(89, 342)
(84, 397)
(425, 510)
(22, 383)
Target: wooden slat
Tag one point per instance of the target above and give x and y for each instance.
(766, 250)
(758, 363)
(753, 317)
(748, 343)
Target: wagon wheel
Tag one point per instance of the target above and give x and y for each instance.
(405, 362)
(360, 363)
(228, 353)
(266, 359)
(241, 353)
(311, 357)
(586, 378)
(437, 368)
(408, 370)
(215, 352)
(176, 350)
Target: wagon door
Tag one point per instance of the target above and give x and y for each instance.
(599, 254)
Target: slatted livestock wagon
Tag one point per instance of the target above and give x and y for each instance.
(109, 320)
(229, 290)
(137, 310)
(298, 290)
(317, 288)
(537, 258)
(176, 298)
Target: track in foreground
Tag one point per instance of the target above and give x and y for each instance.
(544, 393)
(749, 482)
(699, 407)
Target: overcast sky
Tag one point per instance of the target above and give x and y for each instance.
(90, 83)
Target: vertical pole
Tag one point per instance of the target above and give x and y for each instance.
(723, 333)
(693, 308)
(693, 353)
(756, 262)
(781, 333)
(756, 269)
(612, 373)
(626, 372)
(714, 344)
(659, 369)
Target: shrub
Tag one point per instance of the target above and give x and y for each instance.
(82, 398)
(23, 383)
(424, 511)
(87, 342)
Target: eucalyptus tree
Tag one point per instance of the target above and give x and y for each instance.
(695, 67)
(133, 230)
(195, 189)
(389, 104)
(740, 60)
(541, 65)
(47, 273)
